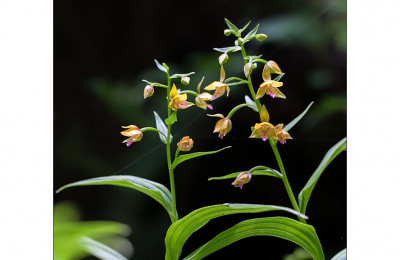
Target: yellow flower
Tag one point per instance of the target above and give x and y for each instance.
(178, 101)
(264, 129)
(201, 98)
(134, 134)
(223, 126)
(148, 91)
(282, 134)
(242, 179)
(185, 144)
(270, 86)
(219, 86)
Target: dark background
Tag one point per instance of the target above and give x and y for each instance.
(102, 51)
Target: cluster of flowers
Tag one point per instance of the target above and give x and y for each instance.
(263, 130)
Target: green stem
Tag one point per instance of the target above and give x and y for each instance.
(189, 92)
(233, 111)
(249, 83)
(170, 170)
(285, 180)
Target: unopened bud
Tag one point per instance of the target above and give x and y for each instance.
(248, 68)
(223, 58)
(227, 32)
(260, 37)
(273, 67)
(241, 179)
(148, 91)
(185, 80)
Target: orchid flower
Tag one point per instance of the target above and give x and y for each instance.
(134, 134)
(185, 144)
(270, 86)
(223, 126)
(219, 86)
(242, 179)
(178, 101)
(264, 129)
(201, 98)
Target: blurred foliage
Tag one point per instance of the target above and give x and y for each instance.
(72, 237)
(298, 254)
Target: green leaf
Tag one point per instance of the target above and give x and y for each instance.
(252, 104)
(228, 49)
(155, 190)
(262, 170)
(245, 27)
(297, 119)
(100, 250)
(231, 26)
(182, 229)
(171, 119)
(342, 255)
(181, 75)
(251, 33)
(305, 193)
(279, 77)
(162, 128)
(160, 67)
(289, 229)
(182, 158)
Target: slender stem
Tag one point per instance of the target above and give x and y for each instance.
(170, 170)
(286, 181)
(249, 83)
(233, 111)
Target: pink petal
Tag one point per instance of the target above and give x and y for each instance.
(241, 185)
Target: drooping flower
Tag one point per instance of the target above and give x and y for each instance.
(185, 144)
(242, 179)
(264, 130)
(270, 86)
(178, 101)
(223, 126)
(148, 91)
(282, 134)
(201, 98)
(219, 86)
(134, 134)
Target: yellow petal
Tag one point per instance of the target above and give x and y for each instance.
(260, 92)
(217, 115)
(264, 116)
(222, 74)
(266, 74)
(214, 85)
(173, 92)
(274, 68)
(227, 90)
(205, 96)
(198, 86)
(279, 94)
(277, 84)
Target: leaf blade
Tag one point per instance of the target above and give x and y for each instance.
(182, 158)
(162, 128)
(231, 26)
(297, 119)
(342, 255)
(159, 66)
(305, 193)
(302, 234)
(100, 250)
(183, 228)
(153, 189)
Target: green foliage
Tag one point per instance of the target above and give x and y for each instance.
(162, 128)
(155, 190)
(305, 193)
(171, 119)
(161, 67)
(302, 234)
(182, 158)
(297, 119)
(100, 250)
(181, 230)
(70, 234)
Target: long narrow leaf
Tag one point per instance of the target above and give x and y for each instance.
(228, 49)
(251, 33)
(302, 234)
(305, 193)
(100, 250)
(231, 26)
(182, 229)
(189, 156)
(155, 190)
(159, 66)
(297, 119)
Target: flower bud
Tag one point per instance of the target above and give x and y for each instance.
(185, 80)
(241, 179)
(260, 37)
(185, 144)
(248, 68)
(223, 58)
(273, 67)
(148, 91)
(227, 32)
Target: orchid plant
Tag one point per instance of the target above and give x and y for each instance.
(181, 228)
